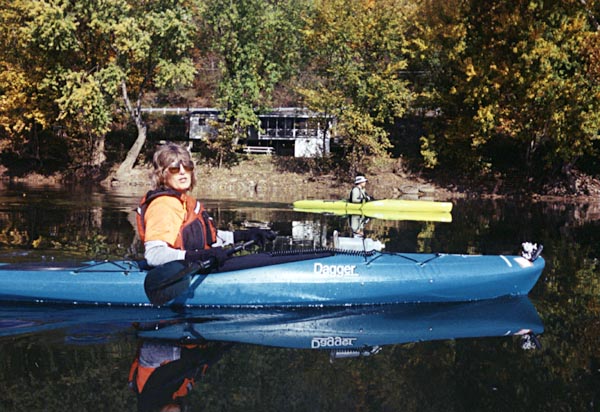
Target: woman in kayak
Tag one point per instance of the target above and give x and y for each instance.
(358, 194)
(175, 226)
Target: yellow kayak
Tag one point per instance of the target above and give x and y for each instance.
(376, 206)
(388, 215)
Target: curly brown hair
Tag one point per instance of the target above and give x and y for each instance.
(168, 155)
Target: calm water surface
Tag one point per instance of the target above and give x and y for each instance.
(431, 358)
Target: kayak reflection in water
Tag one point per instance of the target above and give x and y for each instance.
(163, 374)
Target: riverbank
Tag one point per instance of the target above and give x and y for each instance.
(262, 178)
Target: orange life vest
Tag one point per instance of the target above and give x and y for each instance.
(165, 387)
(139, 375)
(197, 231)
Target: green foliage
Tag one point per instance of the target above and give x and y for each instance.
(358, 51)
(430, 156)
(83, 101)
(219, 150)
(362, 139)
(50, 27)
(513, 72)
(257, 45)
(91, 58)
(508, 84)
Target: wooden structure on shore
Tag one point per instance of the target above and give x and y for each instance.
(294, 130)
(284, 131)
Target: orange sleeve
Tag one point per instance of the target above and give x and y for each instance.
(164, 218)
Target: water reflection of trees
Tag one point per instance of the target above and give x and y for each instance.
(462, 375)
(43, 376)
(84, 231)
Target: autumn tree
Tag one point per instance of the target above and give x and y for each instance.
(257, 44)
(22, 108)
(56, 50)
(87, 61)
(512, 84)
(359, 50)
(152, 47)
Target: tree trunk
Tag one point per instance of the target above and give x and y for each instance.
(136, 114)
(127, 166)
(98, 152)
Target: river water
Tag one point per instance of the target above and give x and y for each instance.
(428, 358)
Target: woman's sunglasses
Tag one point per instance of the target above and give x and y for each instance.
(175, 167)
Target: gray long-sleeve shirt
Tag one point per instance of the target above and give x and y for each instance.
(158, 252)
(359, 195)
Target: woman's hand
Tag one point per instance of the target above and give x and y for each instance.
(259, 236)
(216, 255)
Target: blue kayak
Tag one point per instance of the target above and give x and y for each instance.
(265, 280)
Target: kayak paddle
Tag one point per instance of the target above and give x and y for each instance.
(167, 281)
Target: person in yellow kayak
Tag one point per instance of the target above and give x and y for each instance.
(359, 194)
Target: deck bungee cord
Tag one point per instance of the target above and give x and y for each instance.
(335, 251)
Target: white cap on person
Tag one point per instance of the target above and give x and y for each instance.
(359, 179)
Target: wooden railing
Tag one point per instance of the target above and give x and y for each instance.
(259, 149)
